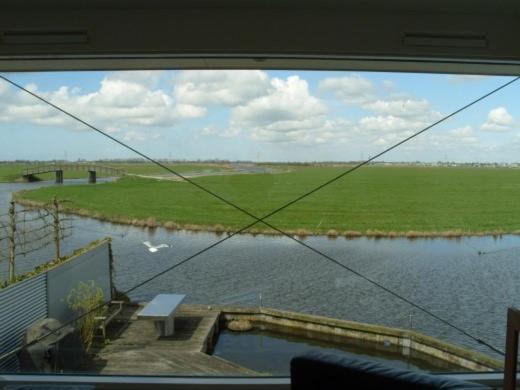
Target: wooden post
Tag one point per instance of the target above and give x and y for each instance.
(92, 176)
(12, 242)
(113, 291)
(56, 215)
(513, 327)
(59, 176)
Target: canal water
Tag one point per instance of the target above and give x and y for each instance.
(270, 351)
(470, 281)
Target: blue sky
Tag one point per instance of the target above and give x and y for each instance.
(259, 116)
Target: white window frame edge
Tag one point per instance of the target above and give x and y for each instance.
(494, 379)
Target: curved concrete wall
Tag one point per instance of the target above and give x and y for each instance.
(419, 342)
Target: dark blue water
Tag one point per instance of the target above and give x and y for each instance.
(448, 277)
(269, 351)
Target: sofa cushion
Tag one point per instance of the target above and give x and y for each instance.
(317, 370)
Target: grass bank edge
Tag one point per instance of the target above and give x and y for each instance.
(152, 223)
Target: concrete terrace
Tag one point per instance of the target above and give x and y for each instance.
(136, 349)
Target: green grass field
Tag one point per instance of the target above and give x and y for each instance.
(377, 200)
(13, 172)
(10, 172)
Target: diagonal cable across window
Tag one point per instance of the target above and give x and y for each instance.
(264, 218)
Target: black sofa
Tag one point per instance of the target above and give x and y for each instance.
(316, 370)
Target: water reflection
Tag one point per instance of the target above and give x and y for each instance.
(272, 350)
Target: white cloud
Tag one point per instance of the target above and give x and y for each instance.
(221, 87)
(461, 139)
(350, 89)
(399, 119)
(4, 87)
(458, 144)
(209, 130)
(390, 118)
(498, 120)
(135, 105)
(400, 107)
(390, 123)
(465, 135)
(123, 100)
(513, 144)
(148, 78)
(286, 100)
(466, 131)
(135, 135)
(287, 113)
(380, 141)
(323, 132)
(112, 129)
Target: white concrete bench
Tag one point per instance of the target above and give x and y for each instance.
(162, 309)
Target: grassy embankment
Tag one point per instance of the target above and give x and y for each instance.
(374, 201)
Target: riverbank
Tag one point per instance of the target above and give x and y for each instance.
(152, 223)
(378, 202)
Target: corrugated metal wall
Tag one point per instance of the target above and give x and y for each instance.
(20, 306)
(45, 295)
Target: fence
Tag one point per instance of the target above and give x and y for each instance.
(26, 231)
(45, 295)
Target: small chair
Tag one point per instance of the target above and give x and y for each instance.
(103, 321)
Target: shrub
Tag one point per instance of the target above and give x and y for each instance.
(151, 222)
(170, 225)
(86, 300)
(219, 229)
(352, 234)
(303, 233)
(332, 233)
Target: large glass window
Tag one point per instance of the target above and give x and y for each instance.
(220, 222)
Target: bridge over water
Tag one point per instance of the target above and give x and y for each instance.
(92, 169)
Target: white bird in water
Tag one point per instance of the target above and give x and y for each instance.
(155, 248)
